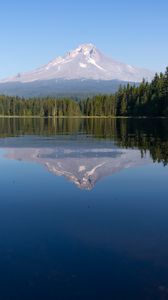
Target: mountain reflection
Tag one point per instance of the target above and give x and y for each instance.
(82, 166)
(85, 150)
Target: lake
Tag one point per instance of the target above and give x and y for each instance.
(83, 209)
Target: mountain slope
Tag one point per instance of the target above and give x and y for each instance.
(85, 62)
(82, 72)
(75, 89)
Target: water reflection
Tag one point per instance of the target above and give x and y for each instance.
(84, 165)
(85, 150)
(59, 242)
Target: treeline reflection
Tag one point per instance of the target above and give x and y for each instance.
(144, 134)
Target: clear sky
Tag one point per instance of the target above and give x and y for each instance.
(32, 32)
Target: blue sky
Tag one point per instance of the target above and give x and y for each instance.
(36, 31)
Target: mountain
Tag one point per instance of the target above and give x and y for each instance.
(83, 66)
(85, 62)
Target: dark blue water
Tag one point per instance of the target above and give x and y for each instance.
(84, 215)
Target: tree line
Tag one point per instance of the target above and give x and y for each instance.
(45, 107)
(146, 99)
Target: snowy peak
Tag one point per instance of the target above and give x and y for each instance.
(85, 53)
(85, 49)
(85, 62)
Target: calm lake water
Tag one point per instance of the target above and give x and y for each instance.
(83, 209)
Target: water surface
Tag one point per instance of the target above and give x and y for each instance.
(83, 209)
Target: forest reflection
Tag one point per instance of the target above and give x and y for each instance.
(143, 134)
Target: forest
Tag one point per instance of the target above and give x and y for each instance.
(146, 99)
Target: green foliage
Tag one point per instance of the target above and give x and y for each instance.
(147, 99)
(46, 107)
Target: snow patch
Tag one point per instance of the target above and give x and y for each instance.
(55, 62)
(84, 49)
(82, 168)
(92, 61)
(59, 61)
(82, 65)
(130, 67)
(92, 171)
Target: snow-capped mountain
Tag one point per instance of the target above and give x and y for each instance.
(85, 62)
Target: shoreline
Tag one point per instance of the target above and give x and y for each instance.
(83, 117)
